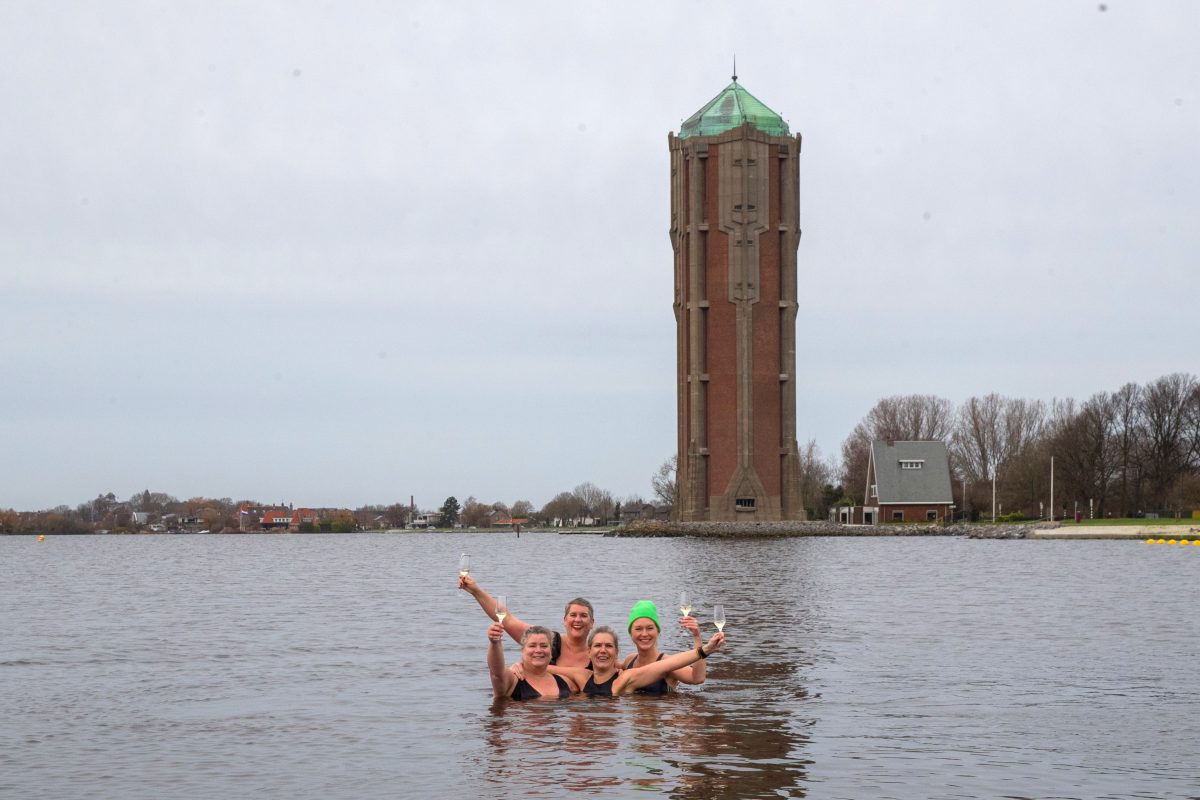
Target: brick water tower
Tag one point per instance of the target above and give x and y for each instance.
(735, 228)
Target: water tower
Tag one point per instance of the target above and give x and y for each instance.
(735, 228)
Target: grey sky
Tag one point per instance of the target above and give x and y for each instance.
(336, 254)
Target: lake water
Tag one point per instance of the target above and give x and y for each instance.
(350, 666)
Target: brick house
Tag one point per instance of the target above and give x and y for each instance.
(291, 520)
(907, 482)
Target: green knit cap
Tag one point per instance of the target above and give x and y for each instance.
(643, 609)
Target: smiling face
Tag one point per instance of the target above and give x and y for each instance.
(644, 633)
(578, 621)
(603, 651)
(536, 650)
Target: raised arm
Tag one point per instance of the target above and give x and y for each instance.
(638, 677)
(503, 680)
(513, 626)
(696, 673)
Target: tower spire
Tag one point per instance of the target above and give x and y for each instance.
(735, 67)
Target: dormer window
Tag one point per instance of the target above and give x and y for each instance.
(913, 463)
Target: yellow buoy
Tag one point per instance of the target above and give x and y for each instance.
(41, 537)
(1196, 543)
(1162, 541)
(1149, 541)
(1172, 541)
(1184, 541)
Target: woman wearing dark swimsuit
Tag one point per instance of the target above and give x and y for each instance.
(644, 628)
(606, 679)
(570, 650)
(535, 682)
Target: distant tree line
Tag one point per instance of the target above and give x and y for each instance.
(1129, 452)
(585, 504)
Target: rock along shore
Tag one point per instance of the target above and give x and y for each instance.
(719, 530)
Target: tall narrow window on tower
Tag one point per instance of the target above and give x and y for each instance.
(736, 176)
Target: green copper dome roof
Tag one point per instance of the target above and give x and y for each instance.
(729, 110)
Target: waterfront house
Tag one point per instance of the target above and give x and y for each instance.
(906, 482)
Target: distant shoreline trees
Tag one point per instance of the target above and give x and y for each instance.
(1129, 452)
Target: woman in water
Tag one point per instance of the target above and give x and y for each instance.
(570, 650)
(534, 682)
(644, 628)
(605, 678)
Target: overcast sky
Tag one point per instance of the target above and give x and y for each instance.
(344, 253)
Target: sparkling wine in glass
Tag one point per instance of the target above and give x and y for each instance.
(464, 565)
(719, 617)
(685, 603)
(501, 608)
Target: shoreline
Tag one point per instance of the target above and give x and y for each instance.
(1025, 530)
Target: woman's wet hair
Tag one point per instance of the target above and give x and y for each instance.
(609, 631)
(579, 601)
(537, 629)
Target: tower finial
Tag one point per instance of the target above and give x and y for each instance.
(735, 67)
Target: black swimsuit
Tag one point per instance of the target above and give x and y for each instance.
(523, 691)
(661, 687)
(593, 689)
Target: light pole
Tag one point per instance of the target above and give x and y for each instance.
(993, 494)
(1051, 488)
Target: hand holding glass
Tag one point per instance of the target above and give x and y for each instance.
(685, 604)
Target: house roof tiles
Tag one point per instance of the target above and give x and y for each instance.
(928, 484)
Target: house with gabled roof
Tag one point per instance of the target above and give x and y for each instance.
(289, 519)
(907, 482)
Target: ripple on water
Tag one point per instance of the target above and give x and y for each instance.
(349, 666)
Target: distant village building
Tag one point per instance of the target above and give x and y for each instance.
(735, 229)
(287, 519)
(905, 482)
(644, 511)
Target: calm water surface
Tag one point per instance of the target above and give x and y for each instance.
(350, 666)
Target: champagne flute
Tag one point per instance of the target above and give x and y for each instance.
(501, 608)
(464, 565)
(719, 617)
(685, 604)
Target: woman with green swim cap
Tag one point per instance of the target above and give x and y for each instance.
(644, 628)
(603, 678)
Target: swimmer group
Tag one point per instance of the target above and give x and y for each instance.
(585, 659)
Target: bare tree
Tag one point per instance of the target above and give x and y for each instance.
(1184, 495)
(814, 474)
(563, 506)
(1169, 435)
(397, 515)
(1128, 401)
(665, 481)
(912, 417)
(1000, 438)
(591, 497)
(992, 430)
(475, 514)
(1086, 444)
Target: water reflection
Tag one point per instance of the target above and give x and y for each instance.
(684, 746)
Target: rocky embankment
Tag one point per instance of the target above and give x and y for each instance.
(789, 529)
